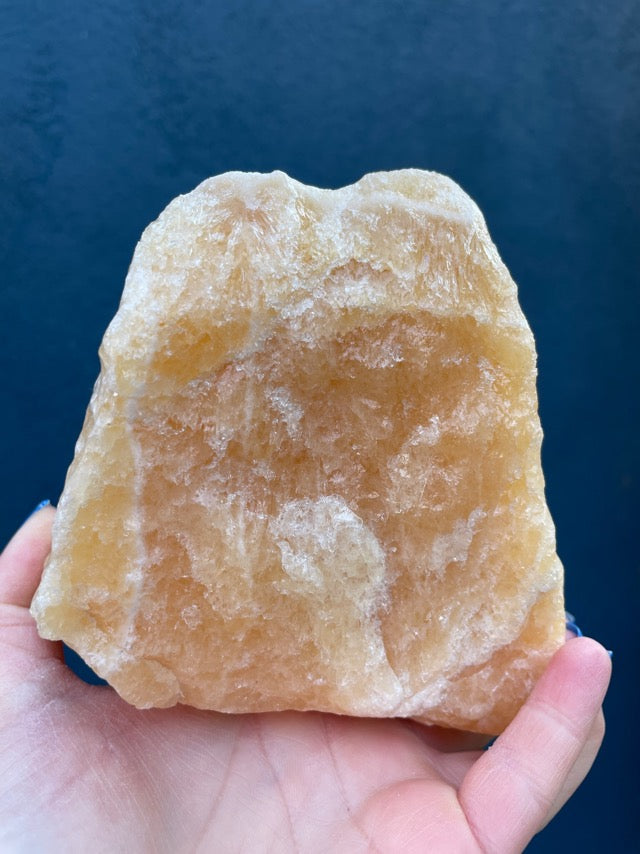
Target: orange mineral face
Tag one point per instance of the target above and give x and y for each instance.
(309, 475)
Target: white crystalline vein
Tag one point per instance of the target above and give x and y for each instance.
(291, 412)
(453, 547)
(135, 573)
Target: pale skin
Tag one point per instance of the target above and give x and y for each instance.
(81, 771)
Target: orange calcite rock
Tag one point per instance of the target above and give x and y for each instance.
(309, 475)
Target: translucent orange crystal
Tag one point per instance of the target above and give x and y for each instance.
(309, 476)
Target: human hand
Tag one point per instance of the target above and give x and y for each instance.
(80, 770)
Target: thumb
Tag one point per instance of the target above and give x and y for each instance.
(509, 793)
(21, 565)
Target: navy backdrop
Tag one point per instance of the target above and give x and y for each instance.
(108, 110)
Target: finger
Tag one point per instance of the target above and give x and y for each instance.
(580, 768)
(454, 767)
(23, 558)
(511, 789)
(21, 565)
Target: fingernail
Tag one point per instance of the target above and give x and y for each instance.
(610, 654)
(40, 506)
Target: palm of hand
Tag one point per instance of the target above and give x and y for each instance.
(81, 770)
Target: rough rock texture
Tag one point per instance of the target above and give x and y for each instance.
(309, 475)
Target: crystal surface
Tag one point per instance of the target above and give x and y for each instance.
(309, 475)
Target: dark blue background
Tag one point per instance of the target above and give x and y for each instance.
(110, 109)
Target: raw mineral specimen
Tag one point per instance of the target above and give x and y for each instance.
(309, 475)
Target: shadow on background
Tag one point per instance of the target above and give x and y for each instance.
(111, 110)
(73, 660)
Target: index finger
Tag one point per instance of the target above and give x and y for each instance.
(508, 793)
(22, 560)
